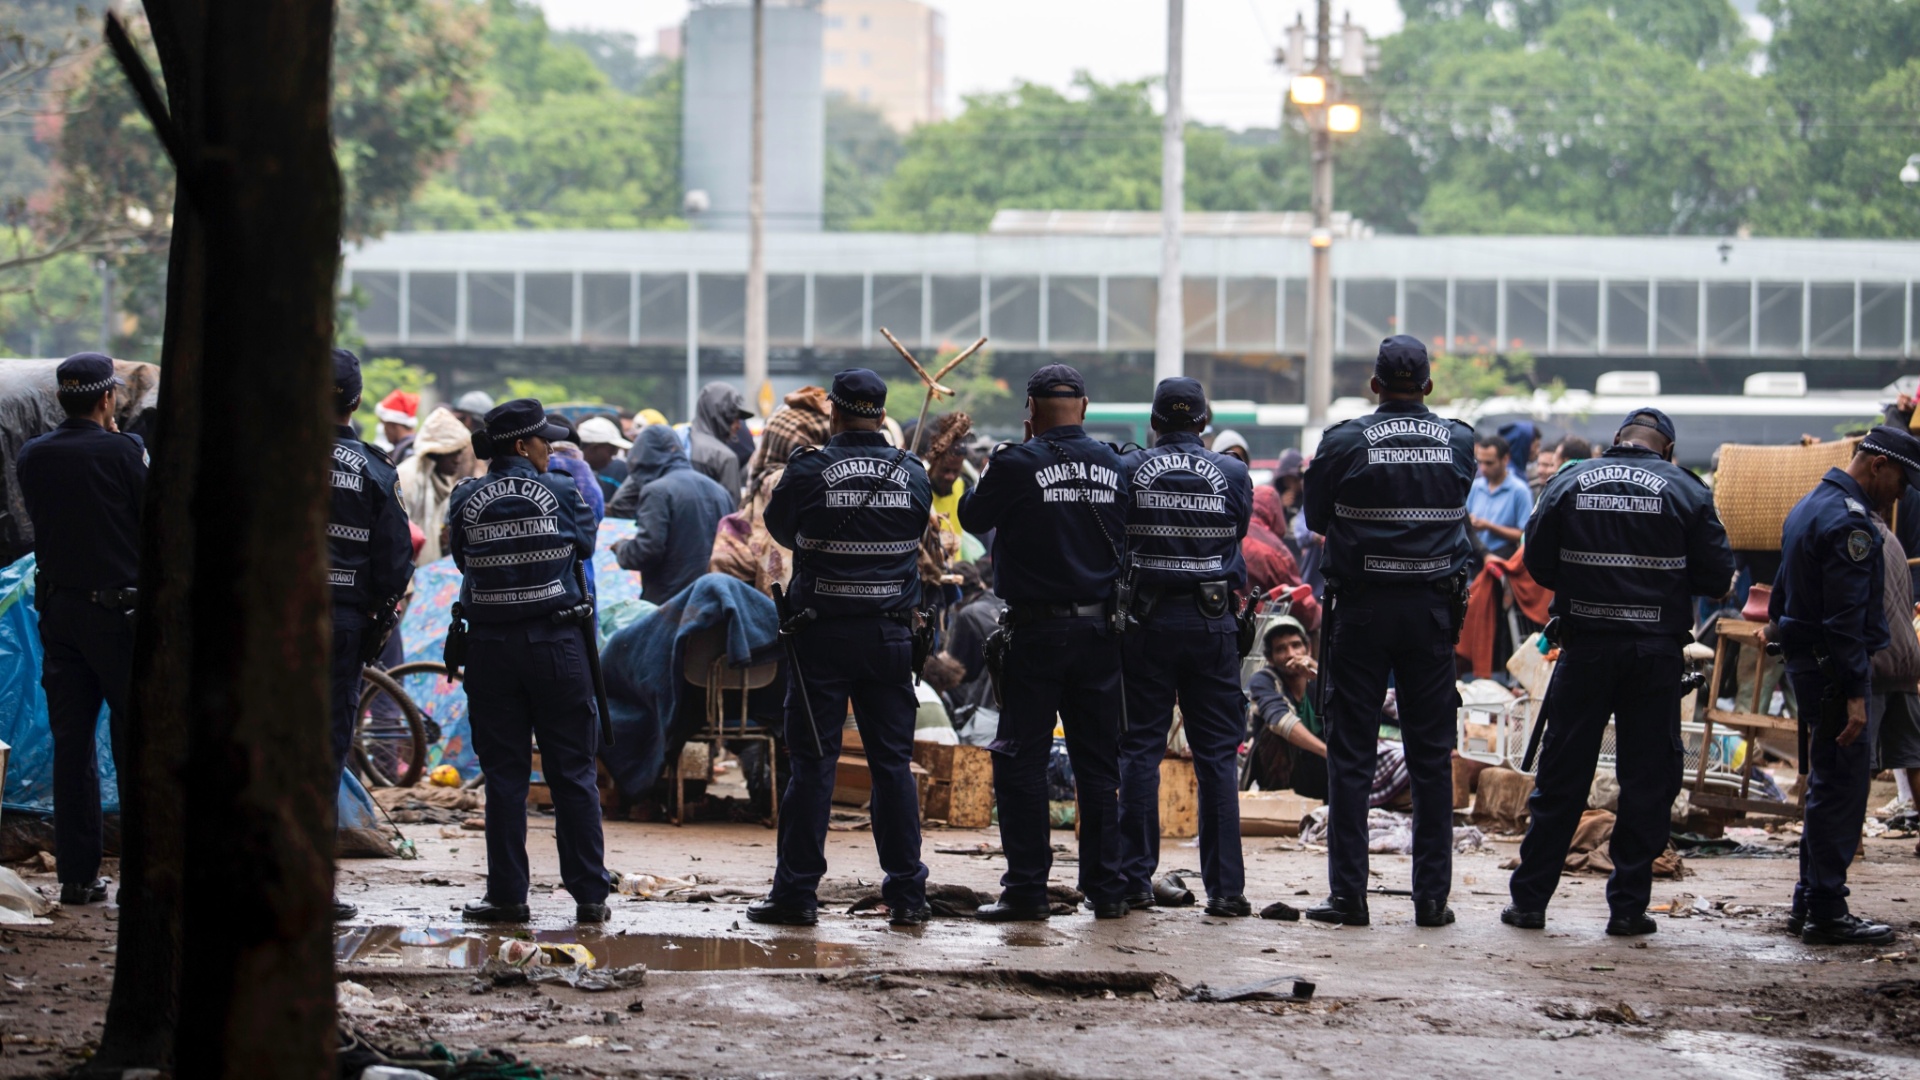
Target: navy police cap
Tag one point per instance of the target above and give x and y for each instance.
(346, 374)
(521, 418)
(1901, 446)
(87, 373)
(1402, 363)
(1179, 400)
(859, 392)
(1044, 382)
(1650, 417)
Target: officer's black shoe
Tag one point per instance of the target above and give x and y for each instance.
(84, 892)
(1140, 901)
(1632, 925)
(488, 911)
(1229, 907)
(1001, 911)
(1796, 922)
(913, 916)
(1846, 930)
(343, 911)
(773, 913)
(1432, 913)
(1525, 920)
(1340, 909)
(592, 913)
(1110, 909)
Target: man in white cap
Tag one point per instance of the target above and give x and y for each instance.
(472, 408)
(605, 452)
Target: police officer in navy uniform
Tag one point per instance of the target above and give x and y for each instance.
(1054, 503)
(1625, 541)
(1187, 510)
(522, 536)
(82, 483)
(1389, 492)
(369, 557)
(853, 513)
(1828, 618)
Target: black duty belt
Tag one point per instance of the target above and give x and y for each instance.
(1031, 613)
(115, 599)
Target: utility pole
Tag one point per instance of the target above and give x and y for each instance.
(1319, 388)
(756, 357)
(1169, 352)
(107, 305)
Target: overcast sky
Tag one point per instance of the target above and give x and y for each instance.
(991, 44)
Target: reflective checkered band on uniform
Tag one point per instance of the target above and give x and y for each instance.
(87, 388)
(348, 532)
(1874, 447)
(1616, 561)
(859, 547)
(1183, 531)
(519, 558)
(1369, 513)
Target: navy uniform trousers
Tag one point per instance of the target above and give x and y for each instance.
(345, 680)
(1837, 781)
(1406, 631)
(867, 660)
(1069, 668)
(1636, 682)
(1178, 655)
(529, 681)
(88, 659)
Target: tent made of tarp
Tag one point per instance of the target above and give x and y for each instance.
(24, 726)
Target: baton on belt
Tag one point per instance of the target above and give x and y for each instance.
(589, 627)
(789, 625)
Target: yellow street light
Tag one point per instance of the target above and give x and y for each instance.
(1344, 119)
(1308, 90)
(1320, 238)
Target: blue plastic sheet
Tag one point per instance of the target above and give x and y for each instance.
(23, 705)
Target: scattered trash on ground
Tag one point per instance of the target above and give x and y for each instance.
(1281, 988)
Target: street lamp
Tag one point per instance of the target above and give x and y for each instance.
(1317, 94)
(1910, 175)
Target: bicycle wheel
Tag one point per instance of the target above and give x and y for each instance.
(389, 751)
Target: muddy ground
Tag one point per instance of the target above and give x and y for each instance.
(1709, 996)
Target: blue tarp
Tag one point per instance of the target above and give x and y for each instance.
(23, 705)
(642, 665)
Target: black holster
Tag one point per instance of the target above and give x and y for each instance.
(381, 623)
(454, 653)
(1245, 624)
(920, 627)
(1213, 598)
(996, 647)
(1460, 588)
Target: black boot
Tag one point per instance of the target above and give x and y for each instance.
(1432, 913)
(1140, 901)
(911, 916)
(1632, 925)
(1514, 915)
(1109, 909)
(1344, 910)
(1846, 930)
(488, 911)
(74, 893)
(343, 911)
(592, 913)
(1001, 911)
(774, 913)
(1229, 907)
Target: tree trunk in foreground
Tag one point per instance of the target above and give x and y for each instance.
(225, 962)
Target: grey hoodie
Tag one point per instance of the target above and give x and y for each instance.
(712, 451)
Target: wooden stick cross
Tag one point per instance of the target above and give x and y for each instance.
(934, 388)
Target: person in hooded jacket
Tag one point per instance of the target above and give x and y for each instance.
(677, 512)
(720, 408)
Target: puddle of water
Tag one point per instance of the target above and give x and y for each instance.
(399, 946)
(1728, 1057)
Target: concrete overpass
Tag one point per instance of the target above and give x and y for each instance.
(1703, 311)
